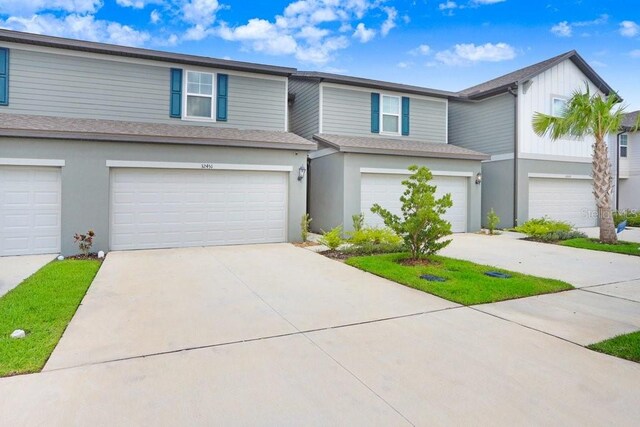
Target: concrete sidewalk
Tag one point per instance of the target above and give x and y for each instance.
(14, 269)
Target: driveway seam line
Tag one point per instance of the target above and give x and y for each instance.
(609, 283)
(610, 296)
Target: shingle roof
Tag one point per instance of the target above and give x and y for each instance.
(134, 52)
(630, 120)
(22, 125)
(369, 83)
(397, 147)
(502, 83)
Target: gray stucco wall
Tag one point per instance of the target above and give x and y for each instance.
(348, 112)
(85, 176)
(304, 114)
(497, 191)
(326, 190)
(525, 167)
(486, 126)
(334, 207)
(53, 84)
(630, 193)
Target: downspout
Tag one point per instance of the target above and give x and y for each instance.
(618, 170)
(515, 153)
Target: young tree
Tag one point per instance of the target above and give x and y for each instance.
(421, 226)
(597, 116)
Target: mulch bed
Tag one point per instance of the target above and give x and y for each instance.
(305, 244)
(340, 256)
(415, 262)
(92, 255)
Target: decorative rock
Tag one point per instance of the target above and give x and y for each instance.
(101, 254)
(60, 257)
(18, 333)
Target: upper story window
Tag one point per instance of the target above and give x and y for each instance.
(558, 106)
(199, 95)
(390, 114)
(624, 145)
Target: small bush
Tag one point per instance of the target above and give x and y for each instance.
(632, 217)
(540, 226)
(332, 239)
(358, 221)
(304, 226)
(373, 249)
(374, 236)
(84, 241)
(558, 236)
(492, 221)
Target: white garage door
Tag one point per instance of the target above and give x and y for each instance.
(29, 210)
(568, 200)
(386, 189)
(154, 208)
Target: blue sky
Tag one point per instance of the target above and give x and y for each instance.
(442, 44)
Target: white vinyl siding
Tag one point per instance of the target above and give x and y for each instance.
(164, 208)
(30, 203)
(563, 199)
(386, 189)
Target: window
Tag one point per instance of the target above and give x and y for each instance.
(557, 106)
(199, 95)
(623, 145)
(390, 114)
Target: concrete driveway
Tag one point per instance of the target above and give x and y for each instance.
(277, 335)
(14, 269)
(629, 235)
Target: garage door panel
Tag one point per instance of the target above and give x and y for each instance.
(386, 189)
(171, 208)
(563, 199)
(30, 201)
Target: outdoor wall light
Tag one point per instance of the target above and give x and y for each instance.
(478, 178)
(301, 173)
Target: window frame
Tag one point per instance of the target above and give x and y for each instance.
(553, 100)
(382, 114)
(186, 94)
(625, 146)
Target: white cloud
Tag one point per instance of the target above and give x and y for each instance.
(261, 35)
(562, 29)
(629, 29)
(137, 4)
(155, 16)
(312, 33)
(423, 49)
(28, 7)
(635, 53)
(483, 2)
(449, 5)
(84, 27)
(390, 22)
(404, 64)
(200, 12)
(363, 33)
(464, 54)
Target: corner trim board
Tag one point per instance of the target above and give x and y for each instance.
(406, 172)
(31, 162)
(203, 165)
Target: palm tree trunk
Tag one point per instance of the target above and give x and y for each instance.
(602, 186)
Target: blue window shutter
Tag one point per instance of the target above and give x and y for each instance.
(175, 106)
(405, 115)
(4, 76)
(221, 102)
(375, 113)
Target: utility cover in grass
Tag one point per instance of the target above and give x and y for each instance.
(432, 278)
(497, 274)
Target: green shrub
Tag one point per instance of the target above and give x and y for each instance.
(558, 236)
(540, 226)
(374, 236)
(492, 221)
(332, 239)
(632, 217)
(420, 224)
(373, 249)
(304, 226)
(358, 221)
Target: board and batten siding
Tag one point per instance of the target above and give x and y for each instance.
(70, 86)
(486, 126)
(348, 112)
(304, 114)
(559, 81)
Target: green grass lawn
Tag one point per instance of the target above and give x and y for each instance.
(624, 346)
(466, 282)
(42, 305)
(628, 248)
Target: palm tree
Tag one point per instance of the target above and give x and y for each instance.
(595, 115)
